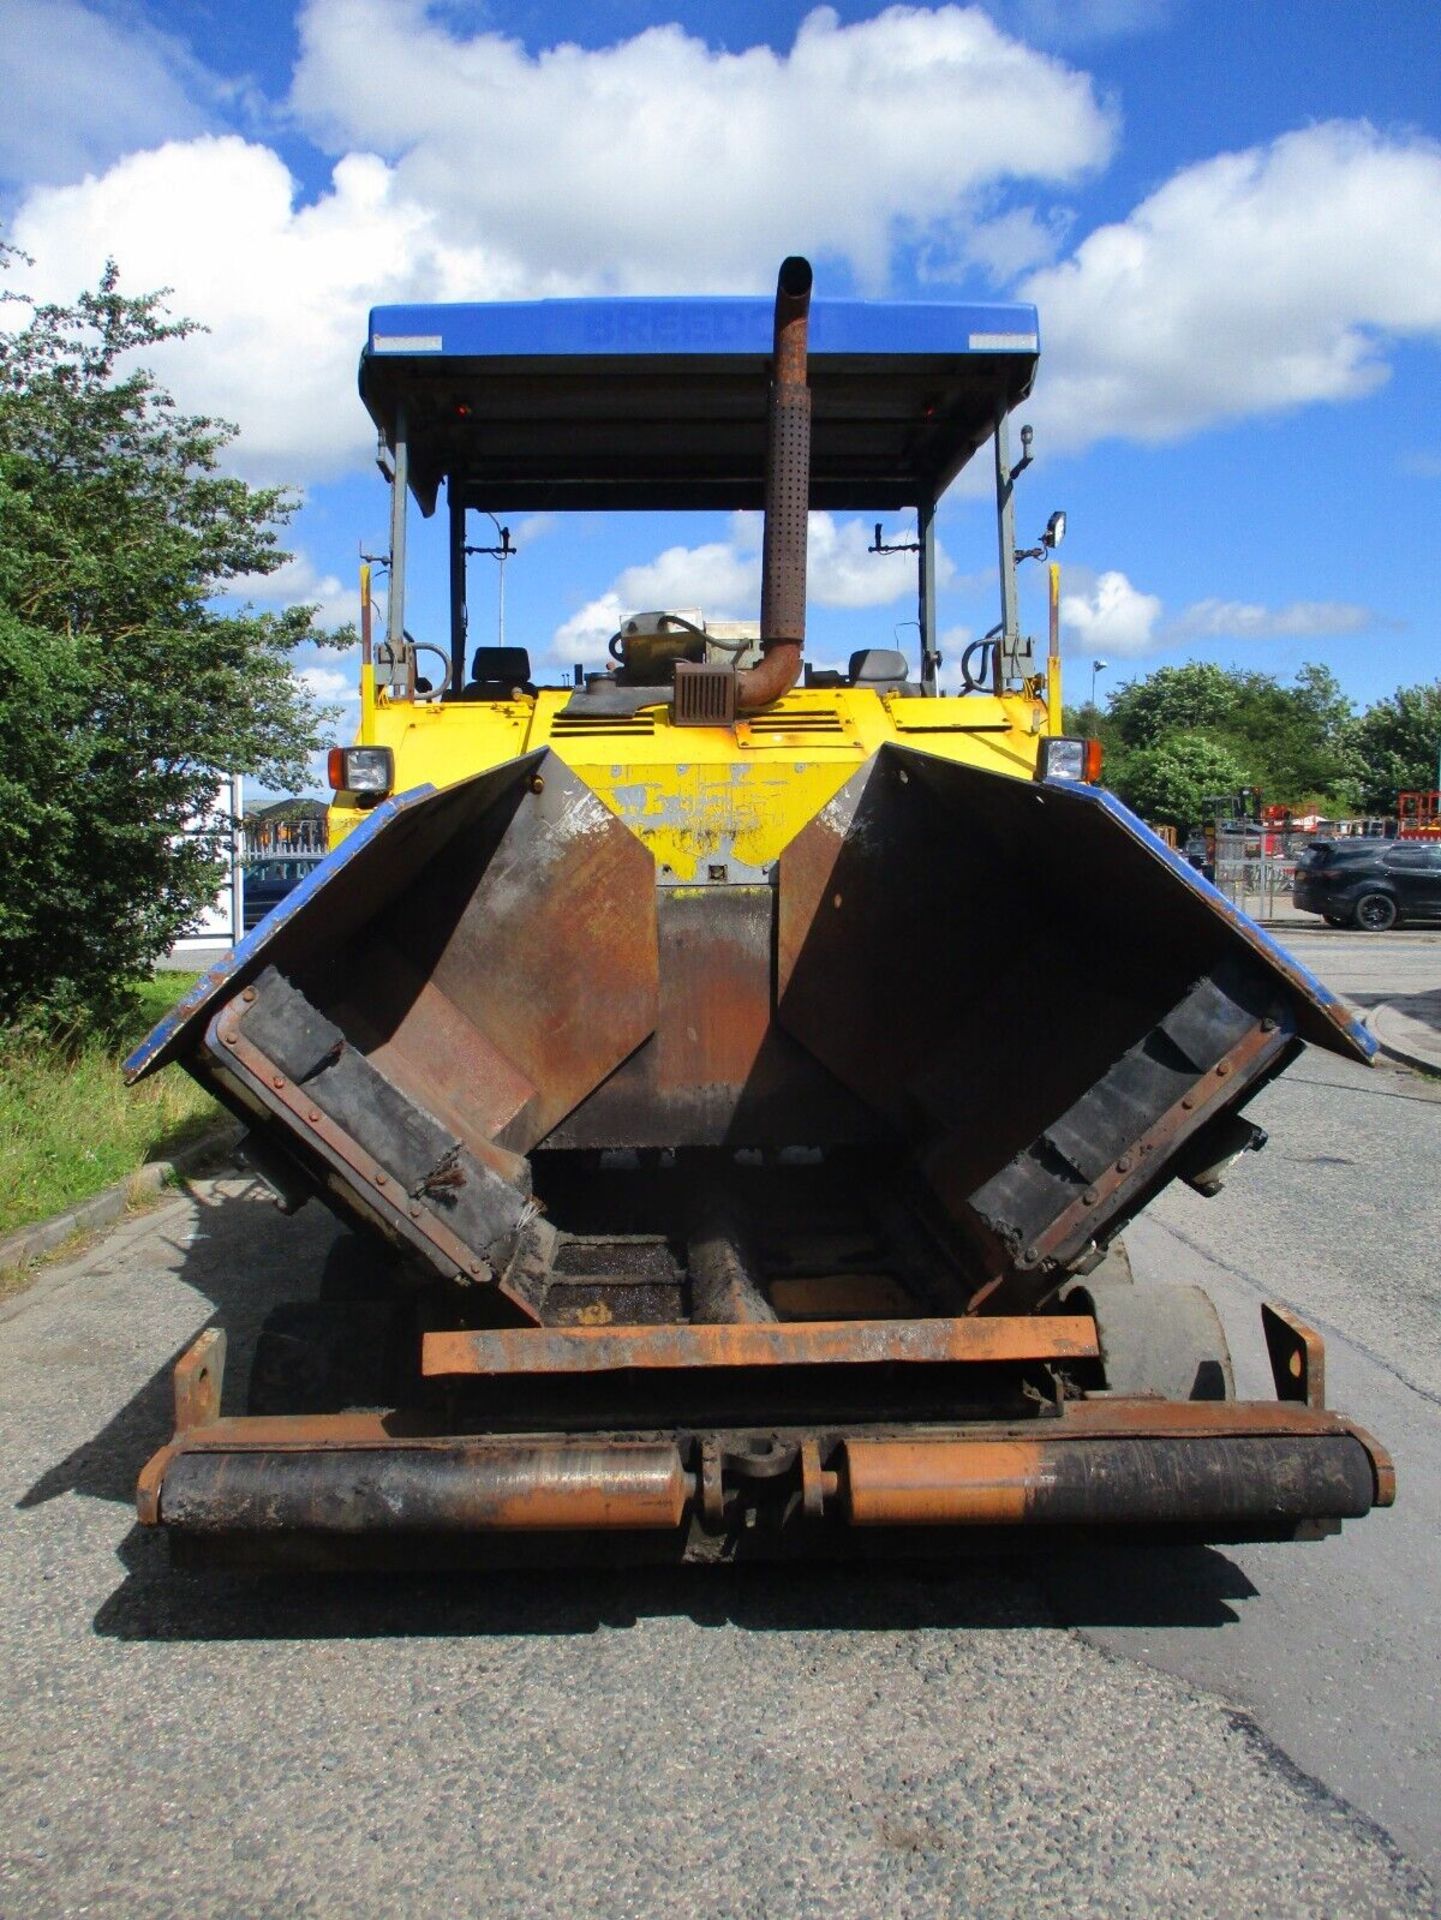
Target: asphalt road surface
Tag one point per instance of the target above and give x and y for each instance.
(1255, 1731)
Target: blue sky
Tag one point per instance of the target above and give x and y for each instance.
(1229, 215)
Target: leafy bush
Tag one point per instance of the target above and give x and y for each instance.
(1169, 783)
(126, 696)
(1399, 740)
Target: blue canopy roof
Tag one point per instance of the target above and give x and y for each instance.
(527, 328)
(661, 403)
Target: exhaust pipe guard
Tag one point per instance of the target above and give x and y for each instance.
(788, 477)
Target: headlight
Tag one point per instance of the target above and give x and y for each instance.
(1061, 759)
(361, 769)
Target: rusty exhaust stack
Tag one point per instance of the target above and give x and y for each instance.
(788, 487)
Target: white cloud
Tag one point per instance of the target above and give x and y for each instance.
(1108, 616)
(283, 290)
(663, 163)
(328, 686)
(470, 168)
(951, 645)
(1113, 618)
(718, 578)
(1245, 620)
(841, 572)
(80, 90)
(722, 578)
(535, 526)
(299, 583)
(584, 635)
(1007, 245)
(1063, 23)
(1249, 283)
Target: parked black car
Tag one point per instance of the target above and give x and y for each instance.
(269, 879)
(1371, 884)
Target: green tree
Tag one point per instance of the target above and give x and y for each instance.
(1398, 741)
(1091, 721)
(126, 694)
(1195, 698)
(1169, 783)
(1298, 741)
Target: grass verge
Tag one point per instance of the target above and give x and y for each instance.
(70, 1127)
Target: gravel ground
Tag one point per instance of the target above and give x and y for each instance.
(750, 1744)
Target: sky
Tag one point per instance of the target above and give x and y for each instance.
(1228, 213)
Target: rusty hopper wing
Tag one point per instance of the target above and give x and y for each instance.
(1011, 987)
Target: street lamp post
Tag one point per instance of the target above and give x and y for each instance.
(1097, 666)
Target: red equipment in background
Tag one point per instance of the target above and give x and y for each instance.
(1418, 815)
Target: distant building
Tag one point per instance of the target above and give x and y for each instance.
(286, 826)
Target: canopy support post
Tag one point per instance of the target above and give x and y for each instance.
(1008, 639)
(459, 611)
(400, 655)
(926, 591)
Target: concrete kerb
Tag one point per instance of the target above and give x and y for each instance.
(1410, 1032)
(27, 1244)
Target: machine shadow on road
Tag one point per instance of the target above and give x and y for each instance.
(1172, 1587)
(244, 1258)
(238, 1253)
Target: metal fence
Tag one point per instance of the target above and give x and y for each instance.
(1257, 870)
(1256, 865)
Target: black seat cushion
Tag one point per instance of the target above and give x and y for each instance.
(877, 666)
(508, 664)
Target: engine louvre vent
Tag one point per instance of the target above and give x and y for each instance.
(799, 729)
(813, 720)
(705, 695)
(602, 726)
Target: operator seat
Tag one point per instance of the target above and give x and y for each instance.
(496, 673)
(881, 669)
